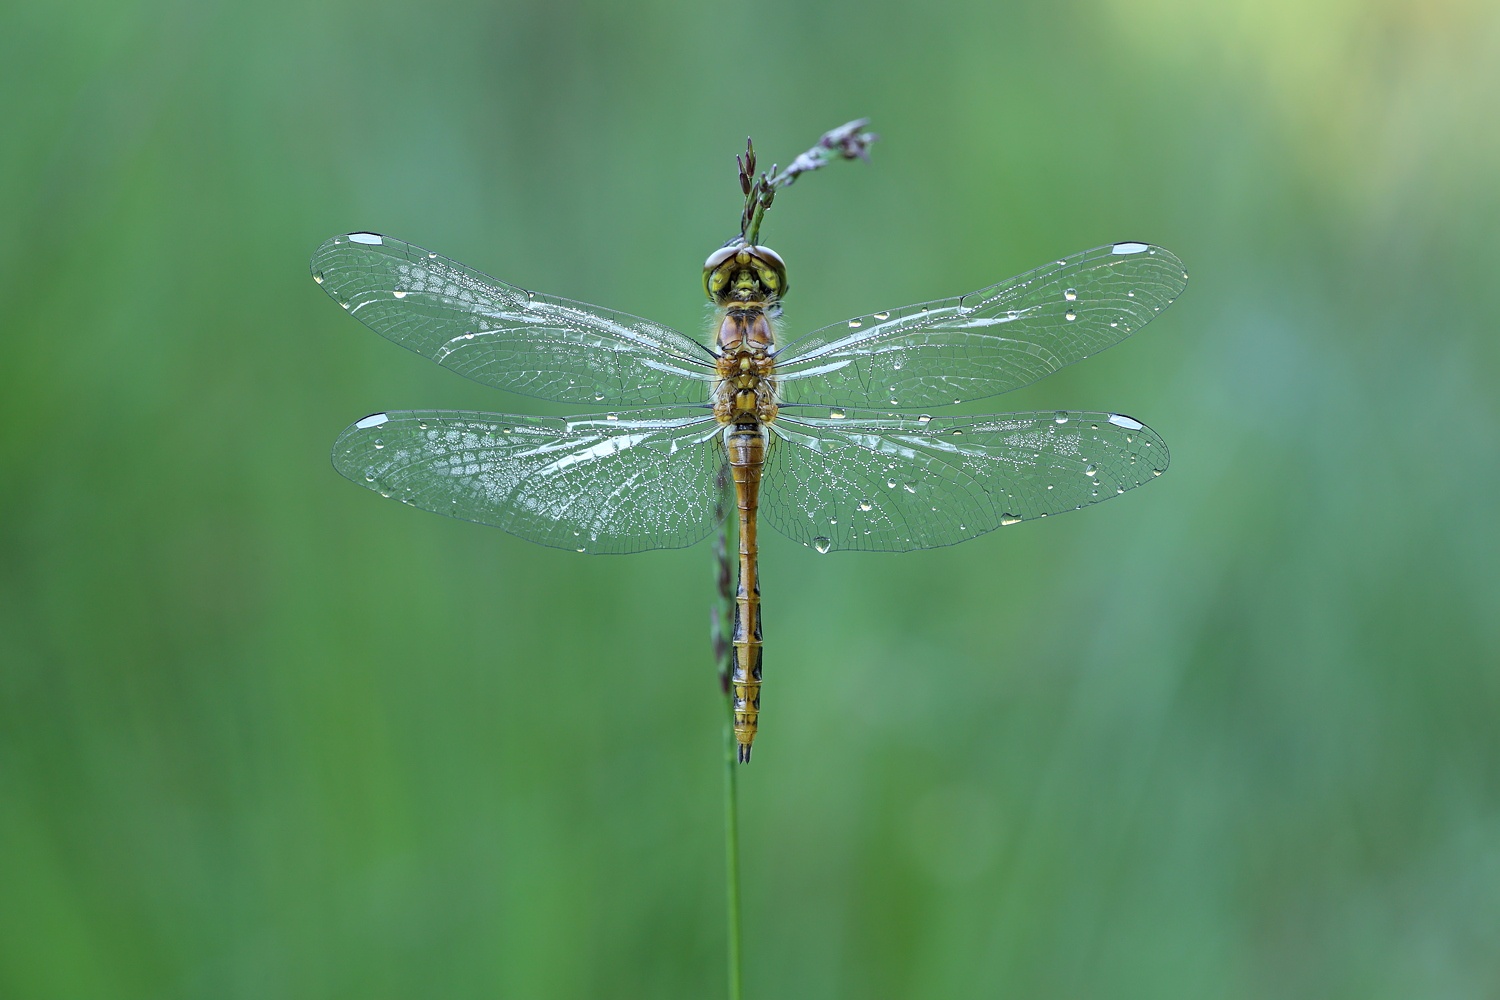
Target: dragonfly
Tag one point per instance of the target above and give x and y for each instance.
(825, 437)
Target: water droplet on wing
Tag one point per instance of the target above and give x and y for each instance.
(822, 544)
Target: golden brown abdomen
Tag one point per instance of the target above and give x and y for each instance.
(746, 444)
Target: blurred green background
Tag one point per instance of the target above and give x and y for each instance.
(263, 734)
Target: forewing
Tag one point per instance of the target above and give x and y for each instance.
(990, 341)
(896, 483)
(508, 337)
(642, 481)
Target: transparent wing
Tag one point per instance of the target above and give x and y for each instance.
(895, 483)
(508, 337)
(646, 480)
(990, 341)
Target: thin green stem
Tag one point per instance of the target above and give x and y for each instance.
(732, 861)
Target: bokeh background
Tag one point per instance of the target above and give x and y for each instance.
(263, 734)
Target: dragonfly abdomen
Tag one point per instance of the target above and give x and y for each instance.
(746, 445)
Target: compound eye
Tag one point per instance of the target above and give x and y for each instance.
(770, 268)
(719, 256)
(770, 256)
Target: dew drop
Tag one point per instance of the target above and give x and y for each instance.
(379, 444)
(469, 335)
(822, 544)
(957, 432)
(836, 414)
(399, 294)
(855, 324)
(1009, 519)
(1011, 314)
(581, 548)
(890, 484)
(865, 505)
(1156, 472)
(924, 419)
(1071, 295)
(1070, 315)
(598, 396)
(1131, 293)
(432, 256)
(1091, 471)
(1119, 490)
(882, 315)
(421, 425)
(910, 487)
(369, 477)
(344, 304)
(318, 277)
(611, 416)
(1060, 416)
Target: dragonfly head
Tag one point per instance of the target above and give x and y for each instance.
(740, 273)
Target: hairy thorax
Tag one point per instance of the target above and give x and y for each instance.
(747, 389)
